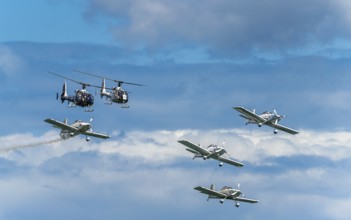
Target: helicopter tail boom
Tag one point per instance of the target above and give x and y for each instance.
(103, 91)
(64, 94)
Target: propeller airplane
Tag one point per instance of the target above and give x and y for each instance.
(212, 152)
(78, 127)
(226, 192)
(266, 118)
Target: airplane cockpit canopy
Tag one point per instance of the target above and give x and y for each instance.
(212, 146)
(227, 187)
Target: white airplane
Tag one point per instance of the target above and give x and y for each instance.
(226, 192)
(212, 151)
(78, 127)
(266, 118)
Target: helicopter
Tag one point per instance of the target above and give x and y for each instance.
(115, 94)
(81, 98)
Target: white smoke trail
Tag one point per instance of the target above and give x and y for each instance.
(31, 145)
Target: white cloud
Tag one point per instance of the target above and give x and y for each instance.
(141, 168)
(161, 147)
(10, 63)
(233, 27)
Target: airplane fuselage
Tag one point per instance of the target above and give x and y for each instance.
(231, 193)
(214, 149)
(79, 125)
(270, 117)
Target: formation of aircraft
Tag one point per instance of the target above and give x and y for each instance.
(76, 128)
(270, 119)
(85, 99)
(226, 192)
(211, 152)
(115, 94)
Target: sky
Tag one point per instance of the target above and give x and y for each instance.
(197, 60)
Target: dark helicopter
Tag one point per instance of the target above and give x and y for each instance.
(115, 94)
(81, 98)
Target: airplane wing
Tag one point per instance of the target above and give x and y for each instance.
(283, 128)
(241, 199)
(192, 151)
(89, 133)
(210, 192)
(58, 124)
(194, 147)
(231, 162)
(249, 114)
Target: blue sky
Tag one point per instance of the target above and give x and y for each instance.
(197, 60)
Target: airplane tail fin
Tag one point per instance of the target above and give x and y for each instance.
(64, 92)
(212, 187)
(65, 121)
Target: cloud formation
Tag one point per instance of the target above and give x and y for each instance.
(228, 27)
(10, 62)
(149, 169)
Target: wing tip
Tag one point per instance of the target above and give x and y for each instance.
(198, 188)
(238, 107)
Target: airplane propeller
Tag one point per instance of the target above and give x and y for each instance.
(277, 115)
(224, 146)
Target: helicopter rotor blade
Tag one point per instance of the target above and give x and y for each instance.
(114, 80)
(81, 83)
